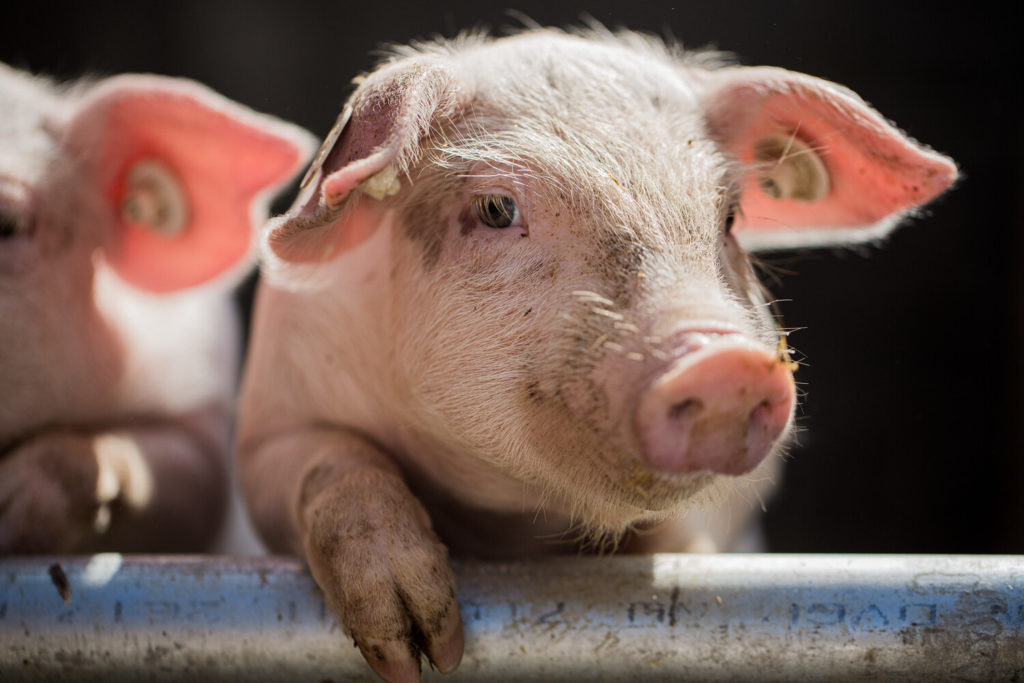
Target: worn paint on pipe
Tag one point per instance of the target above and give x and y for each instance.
(661, 617)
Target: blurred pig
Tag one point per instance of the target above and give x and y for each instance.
(510, 312)
(127, 208)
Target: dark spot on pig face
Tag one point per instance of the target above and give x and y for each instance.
(533, 392)
(425, 214)
(618, 261)
(467, 220)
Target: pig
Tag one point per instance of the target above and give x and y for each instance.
(129, 208)
(511, 312)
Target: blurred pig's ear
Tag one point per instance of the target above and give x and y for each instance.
(374, 142)
(185, 176)
(818, 165)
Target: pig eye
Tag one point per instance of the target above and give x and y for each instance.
(7, 227)
(730, 217)
(10, 226)
(496, 211)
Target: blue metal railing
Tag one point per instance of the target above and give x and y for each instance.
(660, 617)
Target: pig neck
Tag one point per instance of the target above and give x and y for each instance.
(475, 531)
(332, 316)
(461, 483)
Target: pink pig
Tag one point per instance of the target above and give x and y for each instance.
(127, 208)
(510, 312)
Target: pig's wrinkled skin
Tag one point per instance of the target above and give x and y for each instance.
(127, 213)
(509, 315)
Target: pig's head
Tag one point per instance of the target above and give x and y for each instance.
(119, 200)
(544, 233)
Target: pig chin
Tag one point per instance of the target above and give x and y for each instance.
(604, 496)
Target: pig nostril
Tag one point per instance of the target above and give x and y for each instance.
(762, 422)
(684, 409)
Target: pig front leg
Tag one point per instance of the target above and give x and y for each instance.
(342, 503)
(153, 485)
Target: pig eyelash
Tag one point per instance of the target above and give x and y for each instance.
(497, 211)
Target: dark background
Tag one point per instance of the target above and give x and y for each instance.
(914, 369)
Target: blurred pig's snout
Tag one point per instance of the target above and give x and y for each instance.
(720, 409)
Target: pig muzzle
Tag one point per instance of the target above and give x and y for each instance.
(719, 407)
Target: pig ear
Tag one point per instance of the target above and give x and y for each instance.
(373, 143)
(819, 165)
(184, 174)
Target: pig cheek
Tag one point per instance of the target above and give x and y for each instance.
(578, 377)
(55, 344)
(575, 428)
(739, 273)
(470, 318)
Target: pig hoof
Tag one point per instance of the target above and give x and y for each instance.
(371, 549)
(393, 660)
(48, 494)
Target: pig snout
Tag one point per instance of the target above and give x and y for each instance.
(720, 406)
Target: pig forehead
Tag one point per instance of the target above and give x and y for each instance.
(584, 110)
(575, 76)
(29, 121)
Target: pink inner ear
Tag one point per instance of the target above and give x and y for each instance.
(222, 164)
(338, 185)
(874, 171)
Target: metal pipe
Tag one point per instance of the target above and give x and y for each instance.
(660, 617)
